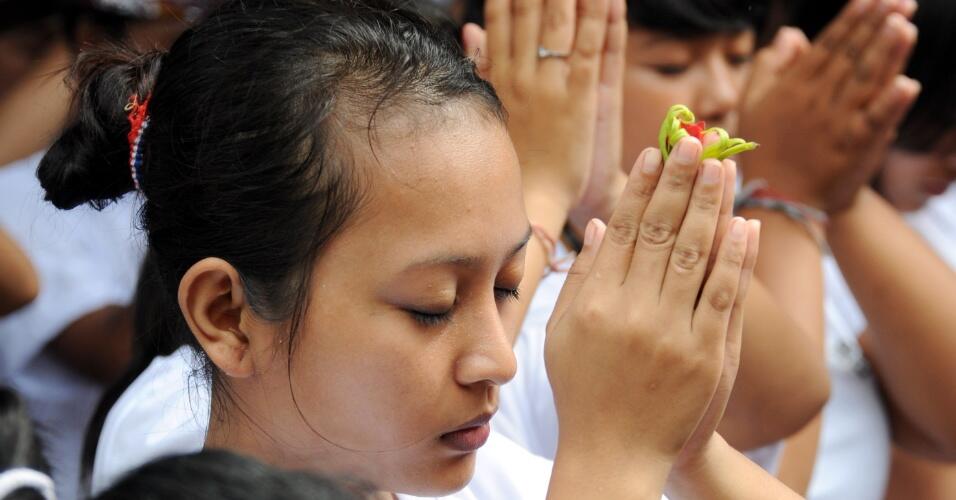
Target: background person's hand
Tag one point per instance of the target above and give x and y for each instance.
(643, 341)
(606, 180)
(551, 101)
(824, 121)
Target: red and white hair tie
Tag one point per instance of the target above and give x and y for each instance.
(138, 122)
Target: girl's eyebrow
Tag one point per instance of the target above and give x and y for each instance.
(468, 260)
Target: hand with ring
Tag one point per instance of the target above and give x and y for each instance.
(825, 113)
(543, 58)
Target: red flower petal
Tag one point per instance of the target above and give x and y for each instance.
(695, 129)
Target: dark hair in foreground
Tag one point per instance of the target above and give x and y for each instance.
(247, 155)
(694, 18)
(19, 445)
(222, 475)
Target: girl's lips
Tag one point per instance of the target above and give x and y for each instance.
(935, 186)
(468, 439)
(469, 436)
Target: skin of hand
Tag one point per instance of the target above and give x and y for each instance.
(606, 179)
(648, 270)
(824, 121)
(552, 103)
(747, 423)
(19, 284)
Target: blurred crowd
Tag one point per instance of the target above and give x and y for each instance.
(447, 249)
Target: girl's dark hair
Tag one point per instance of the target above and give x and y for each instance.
(218, 474)
(19, 445)
(934, 112)
(246, 156)
(693, 18)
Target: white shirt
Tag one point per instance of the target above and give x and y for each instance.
(165, 411)
(853, 457)
(936, 222)
(527, 414)
(85, 260)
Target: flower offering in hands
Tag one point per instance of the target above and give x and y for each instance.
(680, 123)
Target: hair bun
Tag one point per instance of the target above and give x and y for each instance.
(89, 163)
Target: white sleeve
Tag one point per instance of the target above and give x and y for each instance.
(85, 260)
(527, 414)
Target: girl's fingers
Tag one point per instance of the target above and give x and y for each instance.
(688, 261)
(475, 42)
(585, 59)
(880, 62)
(840, 66)
(833, 37)
(884, 114)
(736, 322)
(557, 35)
(720, 293)
(593, 236)
(726, 209)
(616, 252)
(526, 19)
(498, 26)
(663, 218)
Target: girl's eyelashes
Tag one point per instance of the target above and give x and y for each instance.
(502, 294)
(739, 59)
(669, 69)
(430, 318)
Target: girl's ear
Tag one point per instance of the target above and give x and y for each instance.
(212, 301)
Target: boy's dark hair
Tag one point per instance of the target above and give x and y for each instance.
(692, 18)
(222, 475)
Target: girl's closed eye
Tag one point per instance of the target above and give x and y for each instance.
(670, 69)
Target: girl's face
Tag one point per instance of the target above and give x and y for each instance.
(705, 73)
(395, 371)
(910, 178)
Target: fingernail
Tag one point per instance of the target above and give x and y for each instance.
(711, 173)
(589, 233)
(738, 228)
(688, 149)
(909, 7)
(651, 163)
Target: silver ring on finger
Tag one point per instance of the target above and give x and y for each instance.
(545, 53)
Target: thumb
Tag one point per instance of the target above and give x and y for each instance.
(593, 235)
(474, 39)
(772, 61)
(789, 45)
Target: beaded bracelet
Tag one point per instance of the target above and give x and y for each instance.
(758, 194)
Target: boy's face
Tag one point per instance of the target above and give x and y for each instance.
(706, 73)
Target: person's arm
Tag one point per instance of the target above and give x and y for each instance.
(722, 473)
(19, 284)
(906, 292)
(98, 345)
(764, 407)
